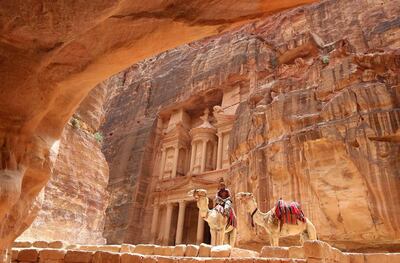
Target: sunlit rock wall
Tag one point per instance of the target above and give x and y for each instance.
(75, 199)
(319, 125)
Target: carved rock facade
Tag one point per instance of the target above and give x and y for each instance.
(316, 119)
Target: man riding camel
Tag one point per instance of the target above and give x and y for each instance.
(223, 203)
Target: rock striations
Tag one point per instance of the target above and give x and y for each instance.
(318, 120)
(53, 53)
(75, 199)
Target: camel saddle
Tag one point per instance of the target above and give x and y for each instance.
(288, 213)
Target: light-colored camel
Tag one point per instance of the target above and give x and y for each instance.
(220, 231)
(306, 229)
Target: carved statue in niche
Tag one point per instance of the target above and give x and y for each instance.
(169, 162)
(181, 170)
(210, 156)
(225, 155)
(197, 158)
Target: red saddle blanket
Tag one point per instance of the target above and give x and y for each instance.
(230, 213)
(289, 213)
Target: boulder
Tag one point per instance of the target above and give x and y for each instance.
(355, 257)
(296, 252)
(14, 254)
(316, 249)
(127, 248)
(204, 250)
(179, 250)
(22, 244)
(164, 259)
(51, 255)
(75, 256)
(106, 257)
(274, 252)
(192, 260)
(192, 250)
(221, 251)
(144, 249)
(40, 244)
(109, 248)
(88, 247)
(149, 259)
(28, 255)
(56, 244)
(240, 253)
(164, 250)
(131, 258)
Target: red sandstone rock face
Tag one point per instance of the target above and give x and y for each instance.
(320, 123)
(52, 54)
(75, 199)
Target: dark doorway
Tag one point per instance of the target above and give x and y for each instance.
(207, 235)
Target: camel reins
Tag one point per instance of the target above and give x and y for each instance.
(252, 215)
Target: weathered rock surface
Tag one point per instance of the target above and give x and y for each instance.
(318, 121)
(52, 54)
(75, 199)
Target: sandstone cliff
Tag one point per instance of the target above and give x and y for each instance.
(53, 53)
(75, 199)
(319, 122)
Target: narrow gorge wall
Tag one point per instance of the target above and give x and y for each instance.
(75, 199)
(318, 122)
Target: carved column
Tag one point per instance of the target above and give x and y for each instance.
(175, 163)
(192, 156)
(214, 156)
(203, 156)
(167, 225)
(200, 230)
(181, 221)
(154, 224)
(219, 151)
(163, 156)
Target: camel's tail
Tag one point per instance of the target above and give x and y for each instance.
(311, 231)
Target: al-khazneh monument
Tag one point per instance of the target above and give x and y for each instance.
(194, 154)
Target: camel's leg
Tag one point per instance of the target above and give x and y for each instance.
(227, 237)
(219, 237)
(232, 237)
(274, 240)
(213, 237)
(303, 237)
(311, 231)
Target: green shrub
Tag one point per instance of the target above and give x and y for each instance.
(325, 59)
(75, 123)
(98, 136)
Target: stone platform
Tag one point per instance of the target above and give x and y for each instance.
(311, 252)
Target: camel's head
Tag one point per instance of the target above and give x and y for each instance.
(197, 193)
(244, 196)
(247, 199)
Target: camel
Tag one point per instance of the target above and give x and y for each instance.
(271, 224)
(220, 231)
